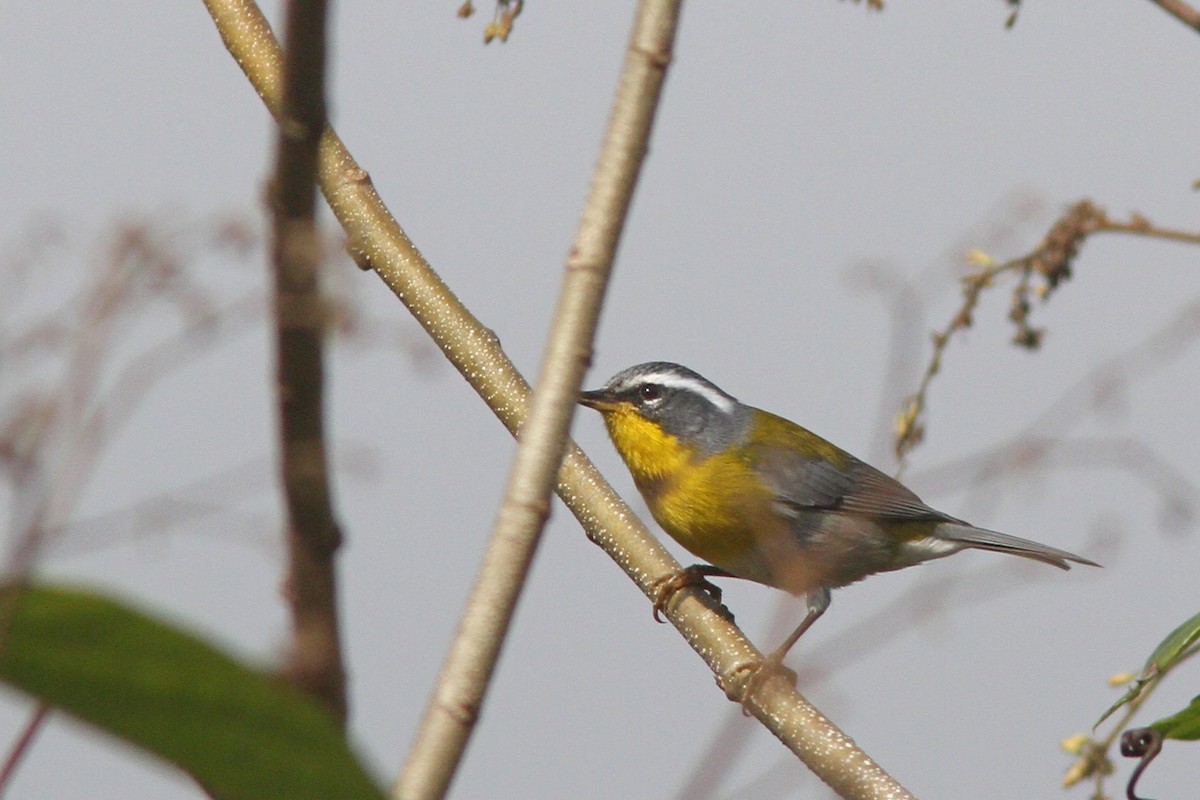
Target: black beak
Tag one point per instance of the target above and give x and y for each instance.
(598, 399)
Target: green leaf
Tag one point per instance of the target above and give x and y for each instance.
(240, 732)
(1183, 724)
(1180, 643)
(1174, 648)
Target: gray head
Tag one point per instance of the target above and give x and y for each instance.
(684, 403)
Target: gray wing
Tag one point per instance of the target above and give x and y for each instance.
(804, 485)
(807, 483)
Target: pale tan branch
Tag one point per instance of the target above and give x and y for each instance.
(466, 673)
(377, 242)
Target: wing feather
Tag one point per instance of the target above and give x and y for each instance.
(813, 483)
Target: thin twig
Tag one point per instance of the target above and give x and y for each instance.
(1050, 263)
(21, 746)
(1022, 455)
(51, 439)
(1094, 753)
(377, 242)
(211, 497)
(1180, 11)
(902, 295)
(462, 684)
(312, 531)
(501, 26)
(70, 427)
(114, 408)
(1043, 438)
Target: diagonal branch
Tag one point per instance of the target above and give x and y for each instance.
(312, 532)
(378, 243)
(1181, 11)
(442, 739)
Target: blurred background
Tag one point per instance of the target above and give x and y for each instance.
(816, 175)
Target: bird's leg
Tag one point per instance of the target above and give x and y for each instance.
(817, 602)
(695, 575)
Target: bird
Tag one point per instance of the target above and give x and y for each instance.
(758, 497)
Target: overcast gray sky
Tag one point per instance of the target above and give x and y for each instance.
(801, 149)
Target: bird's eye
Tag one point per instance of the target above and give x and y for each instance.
(650, 392)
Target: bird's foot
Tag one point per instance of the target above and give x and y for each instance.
(695, 575)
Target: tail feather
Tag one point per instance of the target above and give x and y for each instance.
(982, 539)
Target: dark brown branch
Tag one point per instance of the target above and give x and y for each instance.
(312, 532)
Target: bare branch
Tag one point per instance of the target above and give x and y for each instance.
(312, 531)
(50, 440)
(36, 721)
(1180, 11)
(467, 671)
(1050, 263)
(378, 243)
(210, 498)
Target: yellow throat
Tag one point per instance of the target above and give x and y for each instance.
(699, 501)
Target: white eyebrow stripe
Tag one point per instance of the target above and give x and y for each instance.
(674, 380)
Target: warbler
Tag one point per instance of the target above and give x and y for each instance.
(759, 497)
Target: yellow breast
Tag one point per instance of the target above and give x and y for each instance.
(713, 506)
